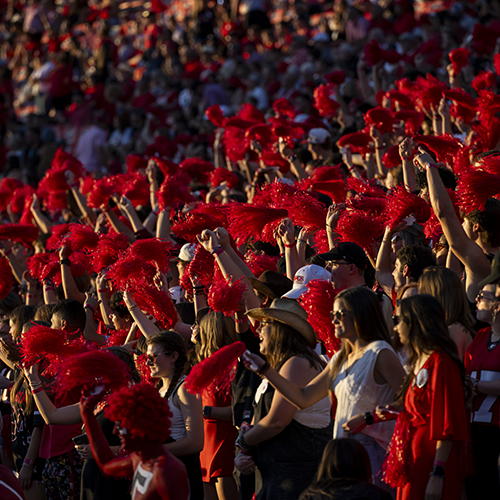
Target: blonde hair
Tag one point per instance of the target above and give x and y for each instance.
(216, 331)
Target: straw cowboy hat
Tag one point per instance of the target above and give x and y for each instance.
(290, 313)
(272, 284)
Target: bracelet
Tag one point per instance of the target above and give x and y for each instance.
(27, 461)
(29, 467)
(438, 471)
(199, 287)
(132, 307)
(31, 296)
(65, 262)
(103, 290)
(430, 165)
(440, 463)
(48, 288)
(406, 158)
(381, 147)
(290, 246)
(302, 241)
(264, 369)
(241, 321)
(34, 385)
(241, 443)
(368, 418)
(217, 251)
(292, 158)
(88, 306)
(37, 390)
(207, 411)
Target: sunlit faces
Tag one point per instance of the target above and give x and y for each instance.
(161, 363)
(398, 275)
(487, 304)
(343, 321)
(401, 327)
(118, 321)
(341, 272)
(264, 334)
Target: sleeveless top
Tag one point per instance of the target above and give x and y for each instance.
(357, 392)
(177, 424)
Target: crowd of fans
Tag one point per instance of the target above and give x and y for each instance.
(233, 231)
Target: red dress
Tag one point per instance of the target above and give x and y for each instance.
(217, 457)
(437, 410)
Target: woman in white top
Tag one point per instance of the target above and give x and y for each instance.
(284, 444)
(167, 359)
(363, 374)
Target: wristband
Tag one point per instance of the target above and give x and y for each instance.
(27, 461)
(199, 287)
(241, 321)
(241, 443)
(264, 369)
(37, 390)
(291, 245)
(31, 296)
(302, 241)
(103, 290)
(368, 418)
(437, 471)
(406, 158)
(292, 158)
(88, 306)
(430, 165)
(65, 262)
(217, 251)
(207, 410)
(47, 288)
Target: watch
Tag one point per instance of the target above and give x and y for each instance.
(207, 410)
(65, 261)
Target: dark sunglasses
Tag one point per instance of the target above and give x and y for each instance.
(338, 315)
(396, 319)
(153, 357)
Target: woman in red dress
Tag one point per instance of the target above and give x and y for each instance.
(217, 457)
(434, 408)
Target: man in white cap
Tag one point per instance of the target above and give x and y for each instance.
(303, 276)
(186, 255)
(318, 144)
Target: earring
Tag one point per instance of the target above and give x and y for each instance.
(173, 365)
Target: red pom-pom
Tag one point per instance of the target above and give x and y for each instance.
(144, 370)
(25, 235)
(89, 370)
(108, 250)
(81, 237)
(197, 168)
(250, 113)
(251, 221)
(174, 190)
(286, 129)
(135, 162)
(167, 167)
(382, 118)
(484, 80)
(157, 303)
(403, 99)
(334, 189)
(359, 142)
(359, 228)
(444, 147)
(430, 92)
(275, 194)
(374, 54)
(215, 373)
(142, 411)
(215, 115)
(361, 186)
(6, 280)
(398, 462)
(220, 175)
(101, 192)
(412, 119)
(152, 250)
(402, 203)
(201, 268)
(392, 157)
(461, 97)
(336, 77)
(19, 197)
(320, 241)
(224, 295)
(459, 59)
(326, 173)
(476, 187)
(318, 303)
(369, 204)
(283, 107)
(488, 105)
(258, 263)
(324, 102)
(193, 224)
(496, 62)
(306, 211)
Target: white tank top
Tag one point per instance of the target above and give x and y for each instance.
(177, 424)
(357, 392)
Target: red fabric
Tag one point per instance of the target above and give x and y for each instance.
(437, 413)
(217, 457)
(62, 81)
(8, 482)
(484, 364)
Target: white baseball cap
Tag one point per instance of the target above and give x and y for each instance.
(303, 276)
(318, 135)
(186, 253)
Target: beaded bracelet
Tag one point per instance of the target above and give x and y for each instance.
(217, 251)
(88, 306)
(241, 321)
(37, 390)
(264, 369)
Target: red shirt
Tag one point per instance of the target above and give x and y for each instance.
(483, 363)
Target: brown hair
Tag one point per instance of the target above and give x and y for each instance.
(216, 331)
(445, 285)
(285, 342)
(19, 316)
(171, 341)
(366, 311)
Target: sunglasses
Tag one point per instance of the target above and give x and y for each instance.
(482, 296)
(330, 263)
(153, 357)
(338, 315)
(396, 319)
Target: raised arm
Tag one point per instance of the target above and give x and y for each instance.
(300, 397)
(405, 152)
(477, 265)
(147, 327)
